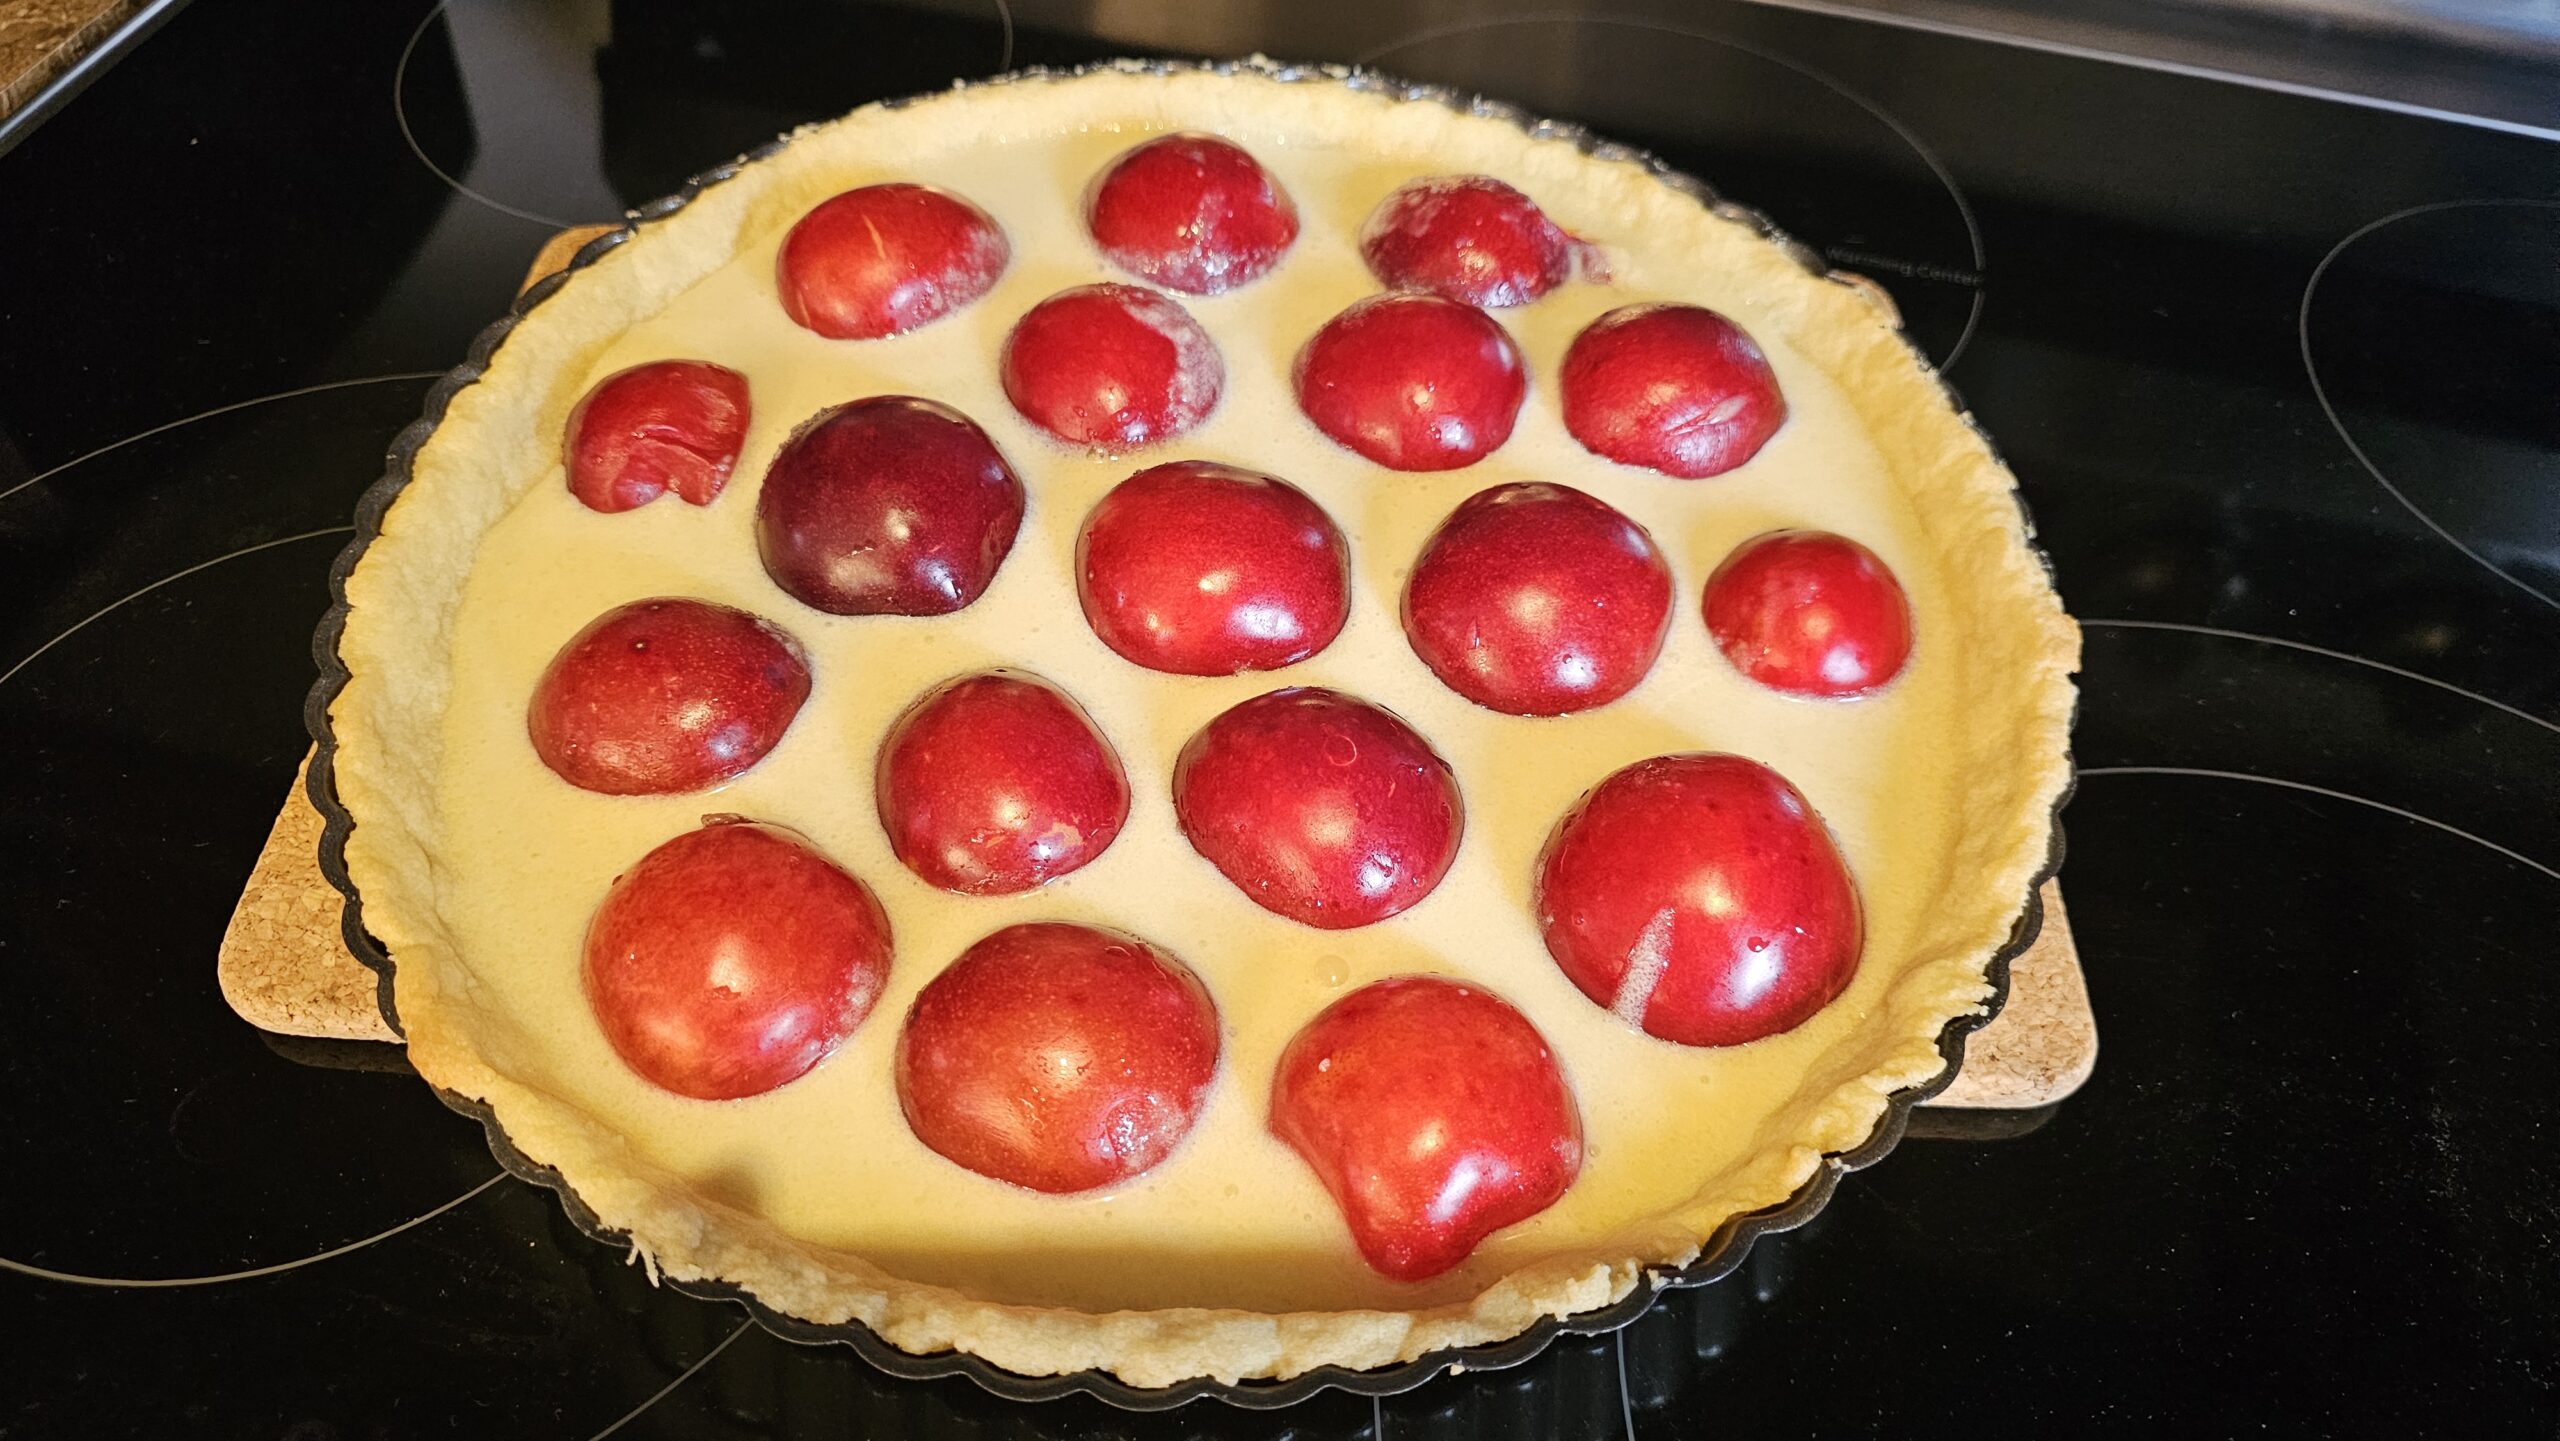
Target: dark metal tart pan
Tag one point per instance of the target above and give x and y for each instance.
(1722, 1253)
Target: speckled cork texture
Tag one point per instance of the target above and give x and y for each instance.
(2044, 1043)
(285, 968)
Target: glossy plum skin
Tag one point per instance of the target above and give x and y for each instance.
(1197, 568)
(663, 696)
(1673, 388)
(1114, 367)
(1536, 599)
(887, 506)
(885, 259)
(1700, 898)
(1192, 213)
(998, 782)
(733, 959)
(668, 425)
(1468, 238)
(1433, 1112)
(1058, 1057)
(1319, 806)
(1809, 613)
(1413, 382)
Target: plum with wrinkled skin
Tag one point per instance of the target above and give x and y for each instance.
(1469, 238)
(668, 425)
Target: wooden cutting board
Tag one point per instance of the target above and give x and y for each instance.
(285, 967)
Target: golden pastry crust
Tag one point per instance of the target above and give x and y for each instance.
(496, 437)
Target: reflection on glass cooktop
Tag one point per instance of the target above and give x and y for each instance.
(2278, 377)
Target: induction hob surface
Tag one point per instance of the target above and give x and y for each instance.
(2278, 376)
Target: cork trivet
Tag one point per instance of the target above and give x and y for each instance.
(285, 966)
(556, 251)
(2044, 1042)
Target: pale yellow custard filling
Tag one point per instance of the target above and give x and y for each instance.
(817, 1195)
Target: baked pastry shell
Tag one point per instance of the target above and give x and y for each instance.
(1718, 1255)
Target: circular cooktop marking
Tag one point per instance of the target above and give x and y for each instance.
(113, 606)
(1831, 167)
(400, 112)
(1626, 1397)
(2174, 699)
(2385, 807)
(163, 1282)
(2309, 649)
(164, 1140)
(687, 1374)
(2431, 338)
(42, 476)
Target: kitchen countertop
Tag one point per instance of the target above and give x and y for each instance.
(41, 40)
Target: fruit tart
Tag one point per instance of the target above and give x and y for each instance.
(1192, 723)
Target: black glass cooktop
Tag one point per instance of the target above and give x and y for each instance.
(2281, 378)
